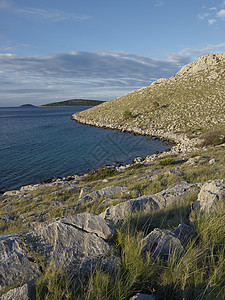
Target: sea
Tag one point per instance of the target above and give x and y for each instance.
(38, 143)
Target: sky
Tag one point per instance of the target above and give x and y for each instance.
(55, 50)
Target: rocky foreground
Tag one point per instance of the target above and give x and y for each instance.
(71, 222)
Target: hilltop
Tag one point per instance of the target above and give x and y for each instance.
(75, 102)
(188, 104)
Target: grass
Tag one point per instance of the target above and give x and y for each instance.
(198, 274)
(141, 179)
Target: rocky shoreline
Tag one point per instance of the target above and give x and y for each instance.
(182, 141)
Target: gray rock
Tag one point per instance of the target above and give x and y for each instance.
(71, 239)
(16, 265)
(184, 233)
(6, 218)
(193, 160)
(212, 161)
(142, 297)
(21, 293)
(105, 192)
(108, 202)
(122, 210)
(77, 241)
(170, 196)
(84, 192)
(162, 243)
(211, 194)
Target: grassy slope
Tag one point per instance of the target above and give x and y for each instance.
(193, 100)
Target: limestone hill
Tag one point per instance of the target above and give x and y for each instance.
(192, 101)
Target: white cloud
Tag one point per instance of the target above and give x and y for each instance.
(159, 3)
(105, 75)
(52, 15)
(213, 14)
(203, 16)
(211, 21)
(221, 13)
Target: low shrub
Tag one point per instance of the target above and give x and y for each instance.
(212, 138)
(127, 114)
(167, 162)
(101, 173)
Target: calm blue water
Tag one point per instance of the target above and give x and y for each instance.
(38, 143)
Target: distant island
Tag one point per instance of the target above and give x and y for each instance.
(75, 102)
(27, 105)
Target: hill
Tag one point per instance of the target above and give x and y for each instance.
(27, 105)
(191, 102)
(75, 102)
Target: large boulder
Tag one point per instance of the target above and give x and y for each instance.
(16, 266)
(163, 199)
(71, 239)
(211, 194)
(24, 292)
(77, 242)
(162, 243)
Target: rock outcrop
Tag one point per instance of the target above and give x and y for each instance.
(163, 199)
(212, 195)
(74, 242)
(162, 243)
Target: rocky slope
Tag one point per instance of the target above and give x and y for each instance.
(189, 103)
(71, 222)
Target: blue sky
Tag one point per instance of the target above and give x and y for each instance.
(54, 50)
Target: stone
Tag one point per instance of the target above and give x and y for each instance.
(142, 297)
(84, 192)
(170, 196)
(212, 161)
(16, 265)
(21, 293)
(211, 194)
(71, 239)
(78, 242)
(162, 243)
(105, 192)
(184, 233)
(193, 160)
(122, 210)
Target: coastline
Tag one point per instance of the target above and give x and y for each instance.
(182, 145)
(182, 142)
